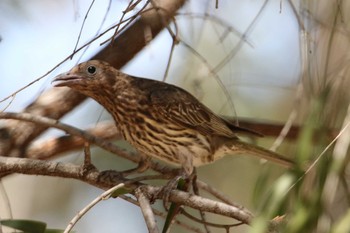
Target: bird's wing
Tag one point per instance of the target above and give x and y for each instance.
(180, 107)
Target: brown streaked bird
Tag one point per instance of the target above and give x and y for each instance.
(162, 120)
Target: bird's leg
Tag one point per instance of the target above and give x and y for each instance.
(187, 173)
(142, 166)
(176, 183)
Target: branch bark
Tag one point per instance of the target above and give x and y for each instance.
(93, 177)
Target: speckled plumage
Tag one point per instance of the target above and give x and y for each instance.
(160, 119)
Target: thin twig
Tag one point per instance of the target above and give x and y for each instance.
(193, 218)
(202, 214)
(81, 213)
(310, 167)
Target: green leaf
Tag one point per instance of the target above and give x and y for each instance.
(28, 226)
(55, 231)
(174, 208)
(120, 191)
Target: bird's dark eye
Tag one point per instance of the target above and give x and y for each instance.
(91, 69)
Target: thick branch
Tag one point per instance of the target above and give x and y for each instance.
(93, 177)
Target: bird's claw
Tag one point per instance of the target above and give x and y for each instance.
(110, 176)
(174, 184)
(166, 190)
(86, 168)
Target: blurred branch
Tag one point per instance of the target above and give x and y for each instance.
(55, 103)
(46, 149)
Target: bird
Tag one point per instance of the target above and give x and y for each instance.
(161, 120)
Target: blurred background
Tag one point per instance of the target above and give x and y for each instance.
(263, 60)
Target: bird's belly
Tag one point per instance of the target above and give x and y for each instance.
(174, 146)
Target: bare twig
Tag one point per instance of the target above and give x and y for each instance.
(202, 214)
(146, 210)
(81, 213)
(216, 225)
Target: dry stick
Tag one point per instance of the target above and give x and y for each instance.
(146, 210)
(150, 20)
(216, 225)
(312, 165)
(80, 214)
(122, 18)
(202, 214)
(81, 28)
(98, 32)
(339, 156)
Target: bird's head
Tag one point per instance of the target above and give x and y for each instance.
(89, 77)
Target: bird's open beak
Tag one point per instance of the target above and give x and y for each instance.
(66, 79)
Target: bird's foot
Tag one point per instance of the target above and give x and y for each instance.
(181, 182)
(87, 168)
(110, 176)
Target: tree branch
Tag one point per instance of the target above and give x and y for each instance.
(93, 177)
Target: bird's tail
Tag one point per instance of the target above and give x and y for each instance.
(245, 148)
